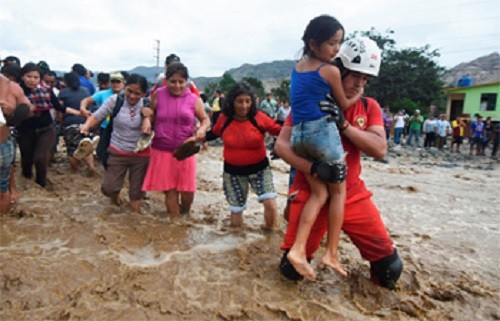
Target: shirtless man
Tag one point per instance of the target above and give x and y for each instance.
(11, 98)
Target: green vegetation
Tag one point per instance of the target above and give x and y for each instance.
(409, 78)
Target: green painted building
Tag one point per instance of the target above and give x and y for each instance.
(483, 99)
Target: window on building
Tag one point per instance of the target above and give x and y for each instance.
(488, 102)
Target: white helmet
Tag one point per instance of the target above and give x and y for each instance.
(361, 54)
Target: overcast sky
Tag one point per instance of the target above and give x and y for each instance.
(214, 36)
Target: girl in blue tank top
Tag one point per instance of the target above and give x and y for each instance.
(316, 138)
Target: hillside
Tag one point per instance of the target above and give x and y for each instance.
(483, 70)
(270, 73)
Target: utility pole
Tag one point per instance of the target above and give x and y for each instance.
(157, 56)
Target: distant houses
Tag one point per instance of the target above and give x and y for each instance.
(483, 99)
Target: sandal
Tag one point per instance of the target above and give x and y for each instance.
(85, 148)
(144, 142)
(95, 142)
(186, 150)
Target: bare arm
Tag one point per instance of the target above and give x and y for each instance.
(204, 120)
(371, 142)
(332, 75)
(14, 97)
(83, 106)
(148, 115)
(89, 123)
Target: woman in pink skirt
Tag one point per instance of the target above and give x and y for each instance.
(175, 110)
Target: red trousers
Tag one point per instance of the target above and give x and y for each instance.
(362, 223)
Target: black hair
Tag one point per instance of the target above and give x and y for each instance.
(50, 73)
(103, 77)
(171, 59)
(44, 66)
(79, 69)
(11, 60)
(319, 30)
(12, 71)
(72, 80)
(177, 68)
(136, 79)
(240, 88)
(343, 70)
(203, 97)
(29, 67)
(125, 74)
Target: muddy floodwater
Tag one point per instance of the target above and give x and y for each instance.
(67, 253)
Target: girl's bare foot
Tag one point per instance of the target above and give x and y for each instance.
(301, 266)
(332, 262)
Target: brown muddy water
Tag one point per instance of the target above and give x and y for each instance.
(66, 253)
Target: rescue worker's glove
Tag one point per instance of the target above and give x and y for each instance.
(331, 107)
(330, 173)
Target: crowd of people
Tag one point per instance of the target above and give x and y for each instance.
(152, 136)
(439, 132)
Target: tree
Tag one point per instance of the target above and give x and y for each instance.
(409, 78)
(283, 91)
(226, 83)
(210, 89)
(257, 86)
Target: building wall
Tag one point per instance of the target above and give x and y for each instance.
(472, 99)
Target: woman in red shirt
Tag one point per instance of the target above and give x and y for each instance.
(242, 129)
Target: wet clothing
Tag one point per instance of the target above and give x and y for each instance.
(35, 145)
(122, 159)
(236, 188)
(174, 123)
(313, 136)
(43, 104)
(245, 158)
(118, 165)
(36, 135)
(126, 125)
(362, 221)
(319, 140)
(307, 89)
(6, 157)
(243, 142)
(165, 172)
(175, 119)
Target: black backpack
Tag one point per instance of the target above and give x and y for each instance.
(102, 147)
